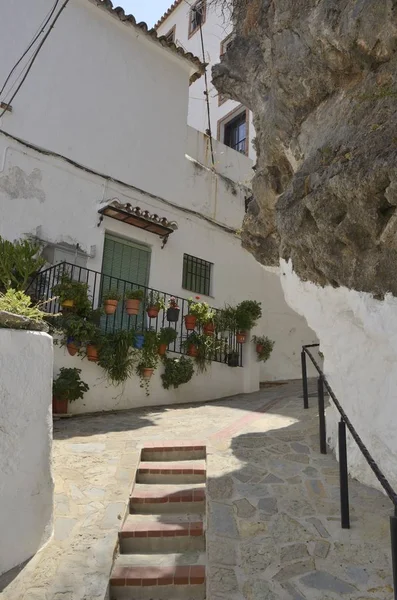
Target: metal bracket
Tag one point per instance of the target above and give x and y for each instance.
(164, 239)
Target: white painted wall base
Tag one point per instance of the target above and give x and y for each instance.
(358, 337)
(218, 381)
(26, 485)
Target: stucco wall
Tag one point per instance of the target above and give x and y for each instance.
(26, 486)
(359, 342)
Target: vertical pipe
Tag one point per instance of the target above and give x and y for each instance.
(393, 535)
(343, 477)
(321, 415)
(304, 380)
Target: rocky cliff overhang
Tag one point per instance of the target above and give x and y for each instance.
(321, 79)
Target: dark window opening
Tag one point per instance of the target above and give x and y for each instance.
(197, 16)
(235, 135)
(196, 275)
(170, 36)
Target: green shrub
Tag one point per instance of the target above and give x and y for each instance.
(168, 335)
(117, 357)
(112, 294)
(18, 303)
(68, 385)
(134, 294)
(177, 371)
(69, 289)
(19, 262)
(247, 314)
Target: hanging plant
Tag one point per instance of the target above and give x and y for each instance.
(110, 300)
(133, 299)
(168, 336)
(117, 357)
(73, 295)
(154, 303)
(263, 347)
(148, 359)
(173, 310)
(177, 371)
(202, 348)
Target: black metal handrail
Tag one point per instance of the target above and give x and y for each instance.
(322, 383)
(41, 289)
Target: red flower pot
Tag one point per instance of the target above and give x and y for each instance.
(152, 312)
(72, 348)
(192, 350)
(132, 306)
(209, 329)
(162, 349)
(190, 322)
(92, 353)
(259, 348)
(147, 373)
(59, 406)
(241, 337)
(110, 306)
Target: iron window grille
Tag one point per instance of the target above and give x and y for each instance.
(235, 134)
(197, 275)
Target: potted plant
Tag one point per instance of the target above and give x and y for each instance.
(208, 320)
(67, 387)
(196, 313)
(117, 356)
(168, 335)
(110, 301)
(247, 314)
(155, 303)
(192, 344)
(94, 338)
(133, 299)
(149, 359)
(173, 310)
(177, 371)
(72, 294)
(263, 346)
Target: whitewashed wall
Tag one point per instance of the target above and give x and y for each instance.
(359, 342)
(26, 486)
(215, 29)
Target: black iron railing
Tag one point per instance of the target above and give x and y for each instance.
(322, 384)
(41, 290)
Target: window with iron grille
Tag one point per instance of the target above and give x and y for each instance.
(235, 133)
(197, 274)
(196, 16)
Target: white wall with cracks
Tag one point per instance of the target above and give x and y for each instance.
(358, 337)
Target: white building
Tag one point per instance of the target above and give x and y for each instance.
(231, 123)
(102, 118)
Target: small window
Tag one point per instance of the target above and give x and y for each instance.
(197, 275)
(225, 44)
(235, 133)
(170, 36)
(196, 16)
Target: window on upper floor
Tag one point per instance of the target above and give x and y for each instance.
(234, 131)
(197, 275)
(225, 44)
(197, 16)
(171, 35)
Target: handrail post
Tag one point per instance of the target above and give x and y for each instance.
(393, 535)
(304, 380)
(343, 477)
(321, 414)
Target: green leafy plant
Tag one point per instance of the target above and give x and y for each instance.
(201, 310)
(18, 303)
(247, 314)
(177, 371)
(155, 300)
(206, 348)
(19, 262)
(117, 356)
(225, 319)
(68, 385)
(112, 294)
(81, 330)
(168, 335)
(68, 289)
(134, 295)
(149, 357)
(266, 346)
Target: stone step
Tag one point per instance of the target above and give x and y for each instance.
(162, 533)
(184, 471)
(174, 498)
(158, 577)
(173, 451)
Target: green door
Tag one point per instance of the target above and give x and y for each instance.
(124, 263)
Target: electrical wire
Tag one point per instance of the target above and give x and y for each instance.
(206, 88)
(36, 36)
(36, 53)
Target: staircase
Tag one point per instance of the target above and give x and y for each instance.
(162, 541)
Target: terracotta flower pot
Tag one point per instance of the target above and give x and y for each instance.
(259, 348)
(173, 314)
(147, 373)
(67, 304)
(110, 306)
(209, 329)
(190, 322)
(241, 337)
(72, 347)
(59, 406)
(192, 350)
(152, 312)
(162, 349)
(132, 306)
(92, 353)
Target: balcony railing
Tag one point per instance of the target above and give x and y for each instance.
(41, 290)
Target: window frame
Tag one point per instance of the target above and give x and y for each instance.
(172, 32)
(227, 119)
(206, 280)
(223, 49)
(191, 31)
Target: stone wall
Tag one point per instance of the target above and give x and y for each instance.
(26, 485)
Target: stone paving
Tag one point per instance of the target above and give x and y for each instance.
(273, 530)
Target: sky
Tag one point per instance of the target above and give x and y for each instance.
(145, 10)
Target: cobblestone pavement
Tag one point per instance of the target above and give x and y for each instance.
(274, 529)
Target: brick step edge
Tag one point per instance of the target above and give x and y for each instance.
(176, 446)
(164, 498)
(153, 576)
(162, 468)
(157, 530)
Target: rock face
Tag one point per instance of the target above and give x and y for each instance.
(321, 79)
